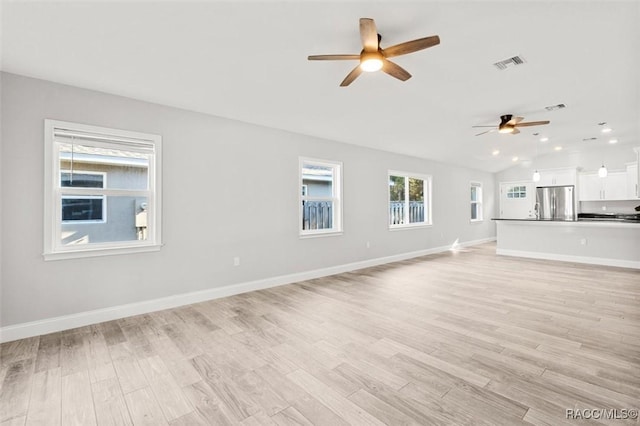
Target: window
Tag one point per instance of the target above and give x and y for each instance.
(517, 192)
(320, 206)
(85, 208)
(409, 200)
(476, 202)
(102, 191)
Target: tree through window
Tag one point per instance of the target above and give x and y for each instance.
(409, 200)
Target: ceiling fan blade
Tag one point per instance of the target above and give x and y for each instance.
(395, 70)
(332, 57)
(483, 126)
(411, 46)
(532, 123)
(514, 131)
(515, 120)
(351, 76)
(488, 131)
(368, 35)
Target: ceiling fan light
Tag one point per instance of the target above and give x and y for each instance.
(506, 129)
(602, 172)
(371, 64)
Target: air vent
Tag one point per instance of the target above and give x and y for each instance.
(555, 107)
(503, 65)
(589, 139)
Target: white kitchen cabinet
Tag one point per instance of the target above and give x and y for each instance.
(557, 177)
(589, 187)
(614, 186)
(632, 182)
(594, 188)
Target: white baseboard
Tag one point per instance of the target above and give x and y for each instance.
(66, 322)
(568, 258)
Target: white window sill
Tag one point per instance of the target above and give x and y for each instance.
(476, 220)
(410, 226)
(78, 254)
(321, 234)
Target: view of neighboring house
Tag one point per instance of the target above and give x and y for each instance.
(99, 217)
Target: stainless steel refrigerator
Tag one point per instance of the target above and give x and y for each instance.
(555, 202)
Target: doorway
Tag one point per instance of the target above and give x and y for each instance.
(517, 200)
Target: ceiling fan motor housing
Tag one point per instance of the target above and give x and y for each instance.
(505, 126)
(504, 119)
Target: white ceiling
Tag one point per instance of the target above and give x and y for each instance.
(247, 61)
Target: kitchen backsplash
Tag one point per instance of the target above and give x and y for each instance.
(626, 206)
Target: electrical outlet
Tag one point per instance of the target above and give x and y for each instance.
(236, 261)
(583, 241)
(604, 208)
(368, 244)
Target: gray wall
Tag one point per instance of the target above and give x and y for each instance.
(230, 189)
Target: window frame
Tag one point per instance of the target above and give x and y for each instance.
(336, 198)
(87, 197)
(53, 191)
(427, 188)
(479, 201)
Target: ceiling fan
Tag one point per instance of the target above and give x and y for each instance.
(373, 57)
(510, 124)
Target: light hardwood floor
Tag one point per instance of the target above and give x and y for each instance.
(454, 338)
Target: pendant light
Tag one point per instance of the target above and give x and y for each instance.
(602, 172)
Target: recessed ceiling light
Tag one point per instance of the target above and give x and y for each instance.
(495, 152)
(544, 139)
(612, 141)
(558, 148)
(606, 129)
(514, 159)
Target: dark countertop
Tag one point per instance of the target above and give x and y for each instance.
(532, 219)
(586, 219)
(615, 217)
(609, 216)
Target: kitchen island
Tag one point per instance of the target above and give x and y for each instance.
(609, 243)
